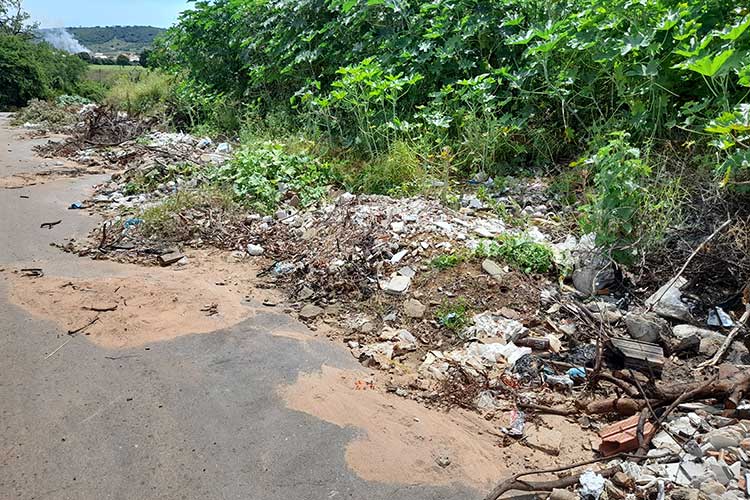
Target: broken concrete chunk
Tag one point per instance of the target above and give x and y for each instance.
(399, 256)
(414, 309)
(170, 258)
(710, 345)
(397, 285)
(310, 311)
(306, 293)
(646, 327)
(667, 301)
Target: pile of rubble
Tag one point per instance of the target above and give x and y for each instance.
(478, 333)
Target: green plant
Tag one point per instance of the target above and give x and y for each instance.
(448, 261)
(258, 172)
(400, 171)
(143, 92)
(454, 315)
(518, 250)
(619, 201)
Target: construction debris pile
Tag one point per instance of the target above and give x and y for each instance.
(659, 374)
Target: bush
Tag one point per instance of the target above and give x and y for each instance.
(31, 70)
(519, 251)
(261, 173)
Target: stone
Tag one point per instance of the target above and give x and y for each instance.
(255, 250)
(646, 327)
(623, 480)
(306, 293)
(414, 309)
(667, 301)
(399, 256)
(685, 494)
(712, 488)
(407, 271)
(397, 285)
(710, 345)
(560, 494)
(443, 461)
(310, 311)
(728, 437)
(492, 268)
(367, 327)
(397, 227)
(547, 440)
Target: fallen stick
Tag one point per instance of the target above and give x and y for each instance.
(686, 264)
(515, 483)
(728, 341)
(79, 330)
(49, 225)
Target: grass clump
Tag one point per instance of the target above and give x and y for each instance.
(142, 92)
(399, 172)
(520, 252)
(163, 220)
(448, 261)
(454, 315)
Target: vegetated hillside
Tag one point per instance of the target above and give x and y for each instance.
(116, 39)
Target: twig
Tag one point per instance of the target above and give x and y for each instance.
(79, 330)
(687, 263)
(728, 341)
(49, 225)
(514, 482)
(53, 352)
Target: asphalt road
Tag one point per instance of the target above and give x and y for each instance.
(196, 417)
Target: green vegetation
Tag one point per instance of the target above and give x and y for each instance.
(448, 261)
(31, 70)
(519, 251)
(454, 315)
(139, 92)
(399, 94)
(259, 171)
(114, 40)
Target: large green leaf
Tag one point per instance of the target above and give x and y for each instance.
(709, 65)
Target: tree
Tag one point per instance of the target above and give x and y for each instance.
(85, 56)
(13, 19)
(144, 58)
(123, 60)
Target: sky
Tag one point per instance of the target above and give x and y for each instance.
(65, 13)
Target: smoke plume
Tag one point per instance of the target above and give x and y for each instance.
(61, 39)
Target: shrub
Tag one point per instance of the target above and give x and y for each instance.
(400, 171)
(519, 251)
(448, 261)
(31, 70)
(260, 173)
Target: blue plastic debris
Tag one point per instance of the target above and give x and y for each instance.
(135, 221)
(577, 373)
(77, 205)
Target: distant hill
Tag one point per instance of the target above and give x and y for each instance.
(113, 40)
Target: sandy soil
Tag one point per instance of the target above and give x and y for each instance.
(402, 441)
(145, 305)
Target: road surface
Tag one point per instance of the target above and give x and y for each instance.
(194, 417)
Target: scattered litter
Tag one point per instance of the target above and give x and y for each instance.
(592, 485)
(517, 423)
